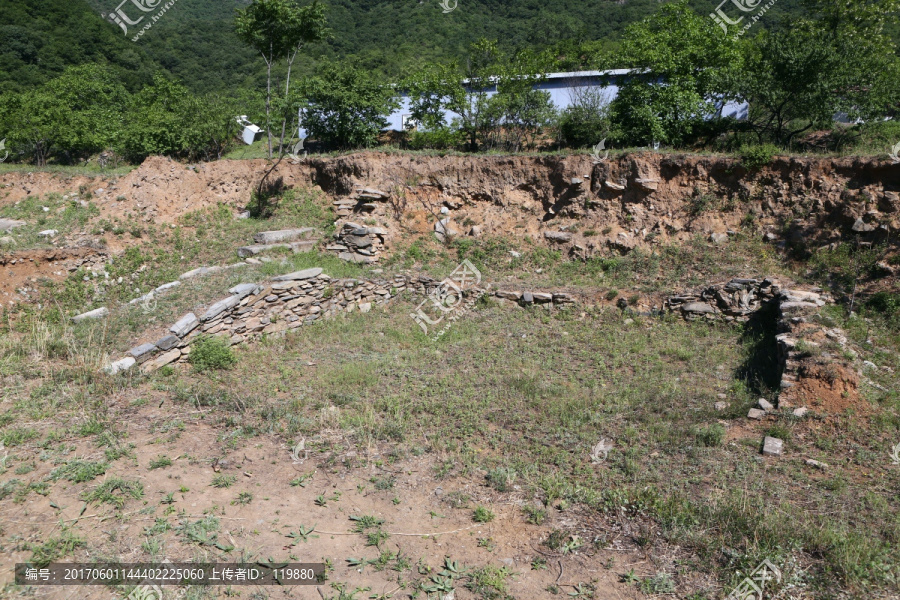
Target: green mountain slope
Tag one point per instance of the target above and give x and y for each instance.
(195, 41)
(38, 40)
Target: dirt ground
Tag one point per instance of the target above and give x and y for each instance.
(427, 520)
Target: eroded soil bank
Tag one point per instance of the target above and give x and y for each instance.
(623, 202)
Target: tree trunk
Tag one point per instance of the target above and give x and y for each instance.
(269, 98)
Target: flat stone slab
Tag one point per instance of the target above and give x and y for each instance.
(48, 233)
(356, 258)
(756, 414)
(560, 237)
(167, 343)
(161, 361)
(765, 405)
(221, 306)
(143, 352)
(145, 298)
(514, 296)
(542, 297)
(167, 286)
(10, 224)
(194, 273)
(97, 313)
(794, 306)
(360, 241)
(300, 275)
(527, 297)
(255, 249)
(244, 289)
(282, 235)
(697, 308)
(119, 366)
(185, 325)
(772, 446)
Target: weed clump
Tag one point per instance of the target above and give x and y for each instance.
(483, 515)
(710, 436)
(211, 353)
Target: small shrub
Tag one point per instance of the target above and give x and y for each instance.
(711, 436)
(243, 499)
(780, 431)
(534, 514)
(211, 352)
(661, 583)
(483, 515)
(756, 157)
(501, 479)
(886, 303)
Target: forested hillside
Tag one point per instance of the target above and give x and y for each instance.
(38, 40)
(196, 43)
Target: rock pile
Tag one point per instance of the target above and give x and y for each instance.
(732, 301)
(364, 201)
(359, 244)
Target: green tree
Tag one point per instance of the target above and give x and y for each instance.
(346, 105)
(28, 125)
(789, 79)
(585, 122)
(279, 29)
(166, 119)
(522, 112)
(75, 114)
(797, 77)
(462, 90)
(86, 110)
(680, 65)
